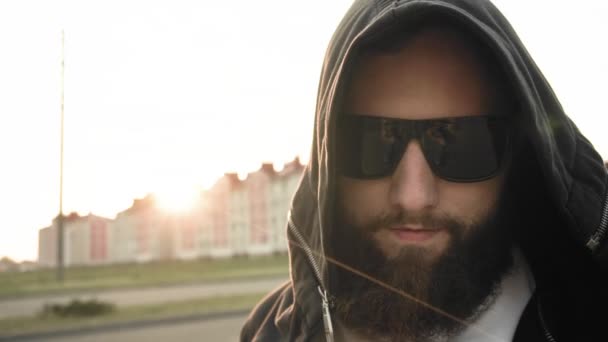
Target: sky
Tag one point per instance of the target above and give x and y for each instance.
(166, 96)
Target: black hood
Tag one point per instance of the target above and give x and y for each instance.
(573, 172)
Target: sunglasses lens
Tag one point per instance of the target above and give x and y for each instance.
(465, 150)
(461, 149)
(367, 148)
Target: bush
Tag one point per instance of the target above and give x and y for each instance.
(78, 308)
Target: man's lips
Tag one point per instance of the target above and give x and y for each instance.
(413, 233)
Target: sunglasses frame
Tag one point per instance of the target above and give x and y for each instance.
(416, 126)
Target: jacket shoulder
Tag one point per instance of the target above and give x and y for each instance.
(263, 321)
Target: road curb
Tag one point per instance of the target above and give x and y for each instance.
(101, 290)
(70, 332)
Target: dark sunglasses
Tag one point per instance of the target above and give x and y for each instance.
(459, 149)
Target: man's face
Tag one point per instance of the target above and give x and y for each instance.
(434, 76)
(436, 246)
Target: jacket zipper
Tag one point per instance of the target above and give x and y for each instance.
(325, 307)
(599, 235)
(546, 331)
(593, 243)
(329, 329)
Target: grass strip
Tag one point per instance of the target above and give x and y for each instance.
(11, 327)
(43, 282)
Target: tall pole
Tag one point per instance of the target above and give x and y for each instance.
(60, 242)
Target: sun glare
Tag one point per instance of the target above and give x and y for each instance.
(177, 199)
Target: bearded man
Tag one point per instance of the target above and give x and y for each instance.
(448, 196)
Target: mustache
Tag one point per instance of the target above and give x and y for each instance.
(428, 220)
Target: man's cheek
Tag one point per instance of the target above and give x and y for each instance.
(364, 200)
(389, 247)
(359, 214)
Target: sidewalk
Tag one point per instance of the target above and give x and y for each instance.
(171, 326)
(143, 296)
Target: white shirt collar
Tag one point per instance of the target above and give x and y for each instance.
(499, 322)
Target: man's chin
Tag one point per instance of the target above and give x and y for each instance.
(402, 309)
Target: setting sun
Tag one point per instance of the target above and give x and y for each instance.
(177, 199)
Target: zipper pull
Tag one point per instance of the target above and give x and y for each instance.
(593, 243)
(329, 329)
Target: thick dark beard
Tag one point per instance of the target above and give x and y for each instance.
(460, 284)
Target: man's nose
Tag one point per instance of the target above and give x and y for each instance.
(413, 184)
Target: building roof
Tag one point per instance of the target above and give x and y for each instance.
(293, 167)
(268, 168)
(233, 179)
(71, 217)
(141, 204)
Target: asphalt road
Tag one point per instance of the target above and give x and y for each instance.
(213, 330)
(139, 296)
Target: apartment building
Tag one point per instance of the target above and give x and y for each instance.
(186, 239)
(86, 241)
(142, 233)
(282, 191)
(234, 217)
(259, 190)
(47, 246)
(218, 216)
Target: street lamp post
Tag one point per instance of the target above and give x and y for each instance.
(60, 242)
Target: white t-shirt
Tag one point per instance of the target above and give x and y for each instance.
(499, 322)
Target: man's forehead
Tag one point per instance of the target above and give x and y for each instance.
(439, 52)
(435, 41)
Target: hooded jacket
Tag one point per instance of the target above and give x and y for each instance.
(567, 251)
